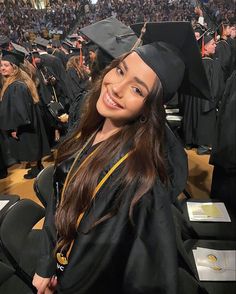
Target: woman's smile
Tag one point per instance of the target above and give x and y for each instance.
(110, 102)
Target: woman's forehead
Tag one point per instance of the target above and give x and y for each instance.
(137, 66)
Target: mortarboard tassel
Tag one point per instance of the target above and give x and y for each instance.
(140, 39)
(203, 47)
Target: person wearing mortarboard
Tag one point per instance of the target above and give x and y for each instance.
(56, 51)
(53, 86)
(224, 51)
(232, 41)
(4, 42)
(113, 221)
(223, 155)
(20, 117)
(199, 116)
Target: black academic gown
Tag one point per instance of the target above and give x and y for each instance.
(19, 113)
(57, 69)
(78, 91)
(224, 54)
(199, 115)
(116, 257)
(223, 155)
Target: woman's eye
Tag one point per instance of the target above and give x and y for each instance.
(138, 91)
(119, 70)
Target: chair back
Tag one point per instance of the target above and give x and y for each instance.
(43, 184)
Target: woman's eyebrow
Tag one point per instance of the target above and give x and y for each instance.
(136, 78)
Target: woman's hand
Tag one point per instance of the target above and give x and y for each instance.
(64, 118)
(44, 285)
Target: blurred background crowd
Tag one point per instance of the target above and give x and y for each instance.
(59, 18)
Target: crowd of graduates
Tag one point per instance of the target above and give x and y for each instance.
(19, 19)
(46, 87)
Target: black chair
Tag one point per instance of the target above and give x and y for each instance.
(211, 230)
(43, 184)
(188, 276)
(12, 199)
(20, 242)
(6, 271)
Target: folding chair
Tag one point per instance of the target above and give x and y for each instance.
(43, 184)
(19, 241)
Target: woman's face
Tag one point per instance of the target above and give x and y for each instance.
(124, 89)
(6, 68)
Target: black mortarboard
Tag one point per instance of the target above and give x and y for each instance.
(171, 50)
(13, 57)
(206, 37)
(198, 28)
(67, 45)
(73, 37)
(41, 43)
(4, 41)
(111, 35)
(19, 48)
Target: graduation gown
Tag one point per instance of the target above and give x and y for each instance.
(199, 115)
(56, 68)
(76, 84)
(116, 257)
(19, 113)
(223, 155)
(224, 54)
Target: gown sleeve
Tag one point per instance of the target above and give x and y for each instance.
(152, 263)
(46, 266)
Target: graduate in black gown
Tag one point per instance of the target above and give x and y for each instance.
(78, 82)
(20, 116)
(199, 116)
(113, 231)
(223, 155)
(224, 50)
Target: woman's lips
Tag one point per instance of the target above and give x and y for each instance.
(110, 102)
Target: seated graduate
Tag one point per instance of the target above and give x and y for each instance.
(109, 227)
(20, 117)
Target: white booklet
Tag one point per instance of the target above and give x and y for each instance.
(208, 212)
(215, 265)
(3, 203)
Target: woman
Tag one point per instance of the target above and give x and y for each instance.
(19, 115)
(199, 116)
(113, 230)
(78, 80)
(77, 76)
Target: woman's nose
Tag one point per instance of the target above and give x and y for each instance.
(118, 89)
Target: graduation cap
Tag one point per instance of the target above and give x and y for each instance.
(13, 57)
(111, 35)
(171, 50)
(41, 43)
(198, 28)
(205, 38)
(4, 41)
(67, 45)
(20, 49)
(73, 37)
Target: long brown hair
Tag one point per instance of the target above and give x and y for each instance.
(20, 75)
(142, 167)
(74, 62)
